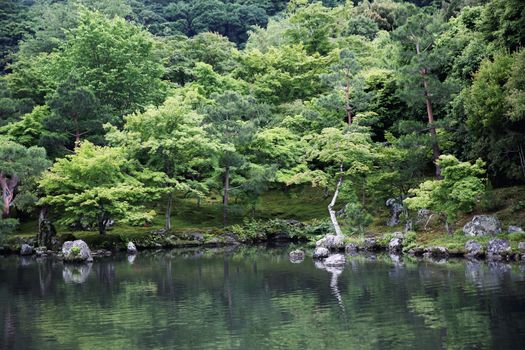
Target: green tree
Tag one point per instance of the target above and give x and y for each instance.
(232, 119)
(420, 83)
(171, 139)
(115, 59)
(334, 155)
(19, 166)
(496, 113)
(97, 184)
(458, 192)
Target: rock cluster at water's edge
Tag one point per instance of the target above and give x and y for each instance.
(331, 242)
(26, 249)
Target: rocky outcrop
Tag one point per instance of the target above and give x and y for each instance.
(321, 253)
(521, 249)
(132, 249)
(473, 249)
(395, 244)
(335, 260)
(514, 229)
(498, 249)
(351, 248)
(76, 251)
(371, 244)
(396, 208)
(26, 249)
(296, 256)
(331, 242)
(482, 225)
(436, 252)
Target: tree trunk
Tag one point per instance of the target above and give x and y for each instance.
(46, 229)
(77, 130)
(522, 159)
(102, 224)
(331, 210)
(226, 195)
(436, 152)
(8, 186)
(348, 108)
(167, 219)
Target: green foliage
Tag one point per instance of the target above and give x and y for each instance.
(7, 226)
(494, 105)
(170, 139)
(75, 251)
(19, 168)
(357, 218)
(458, 192)
(97, 184)
(182, 96)
(257, 230)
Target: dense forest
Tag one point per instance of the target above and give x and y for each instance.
(112, 110)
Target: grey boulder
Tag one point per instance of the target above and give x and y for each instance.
(498, 249)
(370, 244)
(26, 249)
(296, 256)
(482, 225)
(76, 251)
(321, 252)
(473, 249)
(395, 244)
(351, 248)
(436, 251)
(332, 242)
(132, 249)
(514, 229)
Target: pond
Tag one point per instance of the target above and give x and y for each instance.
(255, 298)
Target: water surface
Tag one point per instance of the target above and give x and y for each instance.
(255, 298)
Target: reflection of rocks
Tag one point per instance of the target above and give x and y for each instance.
(25, 260)
(321, 252)
(335, 266)
(473, 271)
(397, 259)
(335, 260)
(296, 256)
(131, 258)
(482, 225)
(26, 249)
(76, 273)
(499, 269)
